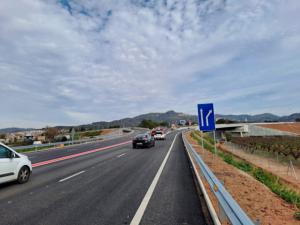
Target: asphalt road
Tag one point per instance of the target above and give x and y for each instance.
(105, 187)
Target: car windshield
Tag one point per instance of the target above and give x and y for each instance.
(140, 136)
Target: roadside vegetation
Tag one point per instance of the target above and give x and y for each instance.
(152, 124)
(52, 132)
(225, 121)
(89, 134)
(35, 149)
(271, 181)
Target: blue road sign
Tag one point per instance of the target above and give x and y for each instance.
(206, 117)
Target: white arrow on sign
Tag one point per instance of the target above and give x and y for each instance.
(207, 116)
(201, 117)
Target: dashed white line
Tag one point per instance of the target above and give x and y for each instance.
(141, 210)
(121, 155)
(74, 175)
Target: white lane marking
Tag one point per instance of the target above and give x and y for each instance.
(141, 210)
(74, 175)
(121, 155)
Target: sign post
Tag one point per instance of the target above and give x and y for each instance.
(206, 119)
(73, 134)
(202, 141)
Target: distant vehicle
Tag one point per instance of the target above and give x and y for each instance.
(157, 129)
(182, 122)
(37, 142)
(160, 135)
(153, 132)
(13, 165)
(143, 140)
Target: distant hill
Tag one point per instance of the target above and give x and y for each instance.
(291, 117)
(265, 117)
(13, 130)
(173, 117)
(170, 117)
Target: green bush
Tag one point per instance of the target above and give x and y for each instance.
(228, 158)
(209, 139)
(152, 124)
(244, 166)
(271, 181)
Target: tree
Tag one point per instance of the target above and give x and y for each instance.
(148, 124)
(224, 121)
(114, 126)
(297, 120)
(51, 132)
(164, 124)
(64, 138)
(81, 129)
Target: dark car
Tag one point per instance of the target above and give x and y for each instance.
(143, 140)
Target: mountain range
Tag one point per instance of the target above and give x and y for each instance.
(173, 117)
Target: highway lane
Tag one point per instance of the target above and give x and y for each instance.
(175, 199)
(105, 187)
(44, 155)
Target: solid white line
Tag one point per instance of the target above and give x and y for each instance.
(210, 206)
(74, 175)
(121, 155)
(141, 210)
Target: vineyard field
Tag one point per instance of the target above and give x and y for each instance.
(282, 145)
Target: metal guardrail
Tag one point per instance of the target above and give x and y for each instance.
(54, 144)
(230, 207)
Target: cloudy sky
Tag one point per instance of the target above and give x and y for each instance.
(78, 61)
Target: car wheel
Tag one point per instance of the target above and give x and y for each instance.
(133, 146)
(23, 175)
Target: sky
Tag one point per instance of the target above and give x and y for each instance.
(68, 62)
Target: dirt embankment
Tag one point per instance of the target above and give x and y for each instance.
(255, 198)
(107, 131)
(288, 127)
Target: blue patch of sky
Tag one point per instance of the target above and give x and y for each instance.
(66, 5)
(145, 3)
(103, 19)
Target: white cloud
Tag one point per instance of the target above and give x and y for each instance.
(101, 60)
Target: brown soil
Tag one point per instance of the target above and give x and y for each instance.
(289, 127)
(106, 131)
(255, 198)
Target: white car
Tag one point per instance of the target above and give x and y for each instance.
(159, 135)
(13, 165)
